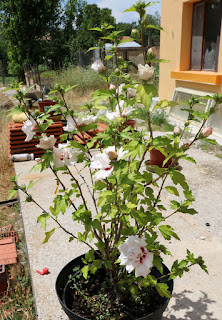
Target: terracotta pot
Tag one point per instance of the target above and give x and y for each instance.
(131, 123)
(128, 123)
(157, 158)
(45, 104)
(64, 292)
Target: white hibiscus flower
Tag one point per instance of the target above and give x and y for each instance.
(46, 142)
(29, 129)
(101, 162)
(135, 256)
(145, 72)
(64, 155)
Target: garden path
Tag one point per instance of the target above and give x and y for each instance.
(197, 296)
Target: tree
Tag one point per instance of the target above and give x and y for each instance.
(90, 16)
(26, 26)
(152, 36)
(126, 28)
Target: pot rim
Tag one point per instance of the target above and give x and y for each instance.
(70, 265)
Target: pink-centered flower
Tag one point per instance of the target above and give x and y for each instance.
(206, 132)
(46, 142)
(29, 129)
(64, 155)
(135, 256)
(98, 66)
(102, 162)
(176, 130)
(145, 72)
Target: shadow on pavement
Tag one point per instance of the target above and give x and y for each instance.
(191, 310)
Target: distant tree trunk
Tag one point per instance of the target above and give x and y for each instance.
(2, 72)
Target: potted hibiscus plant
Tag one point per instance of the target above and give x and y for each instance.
(126, 223)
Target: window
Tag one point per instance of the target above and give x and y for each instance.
(206, 35)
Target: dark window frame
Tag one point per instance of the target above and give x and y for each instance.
(205, 3)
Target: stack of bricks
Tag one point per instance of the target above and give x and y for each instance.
(16, 139)
(8, 254)
(87, 136)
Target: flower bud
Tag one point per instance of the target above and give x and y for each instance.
(186, 145)
(176, 130)
(112, 155)
(112, 87)
(135, 34)
(98, 66)
(206, 132)
(152, 51)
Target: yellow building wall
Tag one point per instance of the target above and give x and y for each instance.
(175, 45)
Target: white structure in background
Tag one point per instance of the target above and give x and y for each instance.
(177, 116)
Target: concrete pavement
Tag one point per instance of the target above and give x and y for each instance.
(197, 296)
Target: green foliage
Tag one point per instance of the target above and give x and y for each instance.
(85, 78)
(124, 199)
(25, 24)
(160, 121)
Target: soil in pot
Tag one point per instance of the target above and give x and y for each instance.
(95, 299)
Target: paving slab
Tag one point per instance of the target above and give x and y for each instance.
(197, 296)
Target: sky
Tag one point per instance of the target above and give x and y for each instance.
(118, 6)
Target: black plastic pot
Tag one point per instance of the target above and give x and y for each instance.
(64, 292)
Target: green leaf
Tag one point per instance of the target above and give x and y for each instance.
(168, 232)
(75, 144)
(146, 92)
(68, 88)
(162, 289)
(90, 255)
(211, 141)
(134, 289)
(64, 137)
(173, 190)
(160, 61)
(101, 94)
(164, 104)
(106, 197)
(12, 192)
(42, 219)
(97, 264)
(150, 26)
(108, 264)
(85, 271)
(109, 57)
(48, 235)
(92, 48)
(157, 262)
(99, 185)
(31, 184)
(96, 29)
(130, 9)
(178, 177)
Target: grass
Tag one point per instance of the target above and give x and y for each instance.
(210, 148)
(86, 79)
(160, 121)
(6, 166)
(18, 305)
(7, 81)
